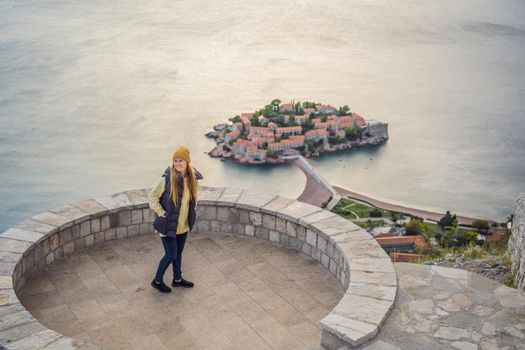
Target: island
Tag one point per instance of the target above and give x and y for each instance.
(281, 130)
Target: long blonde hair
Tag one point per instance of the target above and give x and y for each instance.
(174, 184)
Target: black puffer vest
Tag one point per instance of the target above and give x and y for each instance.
(168, 225)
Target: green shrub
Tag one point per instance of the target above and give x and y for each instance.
(413, 228)
(375, 213)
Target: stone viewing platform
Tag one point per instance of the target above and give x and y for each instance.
(270, 273)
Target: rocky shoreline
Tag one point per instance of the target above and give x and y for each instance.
(221, 149)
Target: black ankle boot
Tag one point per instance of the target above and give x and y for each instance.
(182, 283)
(161, 287)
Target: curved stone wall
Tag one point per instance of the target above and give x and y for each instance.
(516, 244)
(345, 250)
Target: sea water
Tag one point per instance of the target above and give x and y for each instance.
(95, 95)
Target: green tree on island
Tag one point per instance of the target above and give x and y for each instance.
(353, 133)
(307, 104)
(235, 119)
(344, 110)
(275, 104)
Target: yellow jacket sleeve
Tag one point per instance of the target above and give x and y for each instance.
(154, 198)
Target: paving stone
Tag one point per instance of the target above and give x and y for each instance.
(508, 298)
(70, 212)
(425, 306)
(13, 245)
(276, 204)
(383, 292)
(316, 216)
(210, 195)
(32, 225)
(50, 218)
(137, 197)
(488, 329)
(22, 235)
(89, 206)
(229, 196)
(451, 273)
(381, 345)
(253, 200)
(451, 333)
(7, 297)
(489, 344)
(464, 345)
(362, 308)
(114, 201)
(476, 336)
(374, 277)
(449, 306)
(296, 210)
(372, 264)
(353, 331)
(35, 340)
(334, 225)
(463, 320)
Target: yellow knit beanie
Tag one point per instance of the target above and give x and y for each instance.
(182, 152)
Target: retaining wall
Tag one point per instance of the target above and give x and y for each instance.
(516, 246)
(344, 249)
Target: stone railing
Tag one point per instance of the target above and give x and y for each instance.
(516, 244)
(345, 250)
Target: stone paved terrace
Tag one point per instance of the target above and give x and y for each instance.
(249, 294)
(79, 268)
(442, 308)
(343, 249)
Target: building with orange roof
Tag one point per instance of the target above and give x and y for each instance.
(258, 130)
(237, 126)
(301, 119)
(240, 145)
(316, 134)
(229, 137)
(286, 107)
(309, 111)
(289, 130)
(286, 144)
(256, 152)
(325, 109)
(246, 120)
(321, 125)
(402, 243)
(340, 134)
(263, 120)
(357, 118)
(404, 257)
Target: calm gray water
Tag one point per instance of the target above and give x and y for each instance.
(94, 95)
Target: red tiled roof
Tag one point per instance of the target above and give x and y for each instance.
(404, 257)
(402, 240)
(317, 131)
(290, 128)
(233, 134)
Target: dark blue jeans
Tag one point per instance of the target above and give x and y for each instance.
(173, 248)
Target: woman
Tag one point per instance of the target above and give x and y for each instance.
(173, 200)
